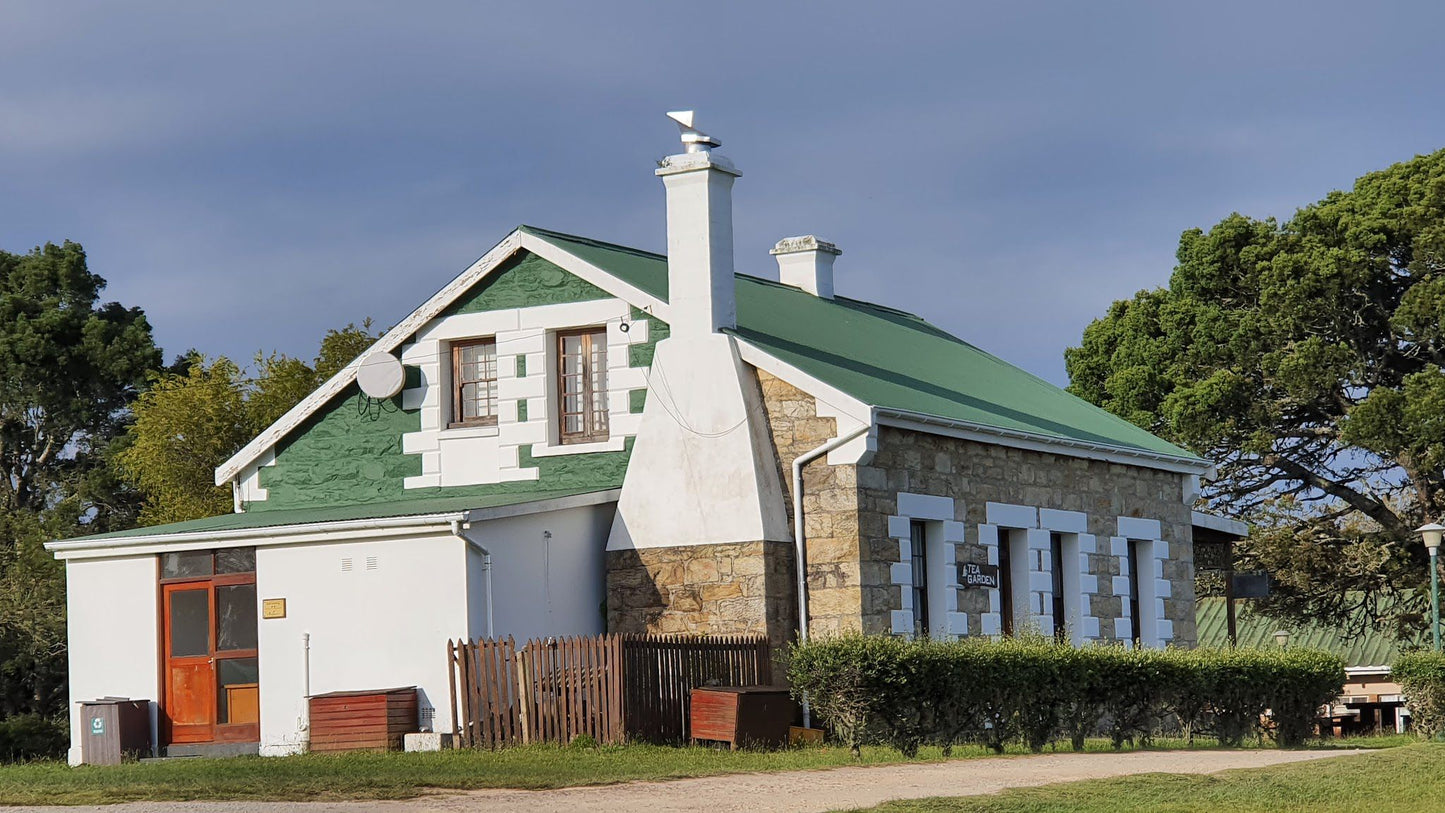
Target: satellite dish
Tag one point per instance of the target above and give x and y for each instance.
(381, 376)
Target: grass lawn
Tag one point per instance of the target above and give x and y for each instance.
(1399, 780)
(395, 776)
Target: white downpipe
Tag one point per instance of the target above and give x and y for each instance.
(457, 531)
(801, 552)
(306, 684)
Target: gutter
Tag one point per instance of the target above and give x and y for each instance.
(801, 552)
(208, 539)
(458, 528)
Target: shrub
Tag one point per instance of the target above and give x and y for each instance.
(32, 736)
(1422, 677)
(910, 692)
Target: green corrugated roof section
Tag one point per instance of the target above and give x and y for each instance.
(887, 358)
(1373, 648)
(343, 513)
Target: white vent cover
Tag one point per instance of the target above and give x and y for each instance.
(381, 375)
(371, 563)
(346, 565)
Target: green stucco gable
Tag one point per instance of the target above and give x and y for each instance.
(525, 280)
(351, 453)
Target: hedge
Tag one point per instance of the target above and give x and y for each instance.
(908, 693)
(1421, 676)
(27, 737)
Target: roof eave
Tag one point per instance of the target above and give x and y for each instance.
(272, 534)
(971, 430)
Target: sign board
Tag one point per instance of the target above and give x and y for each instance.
(273, 608)
(971, 575)
(1251, 585)
(97, 726)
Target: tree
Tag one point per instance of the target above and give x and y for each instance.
(194, 416)
(1305, 359)
(69, 366)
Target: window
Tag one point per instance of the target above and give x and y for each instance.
(474, 383)
(1056, 565)
(1136, 550)
(918, 545)
(582, 386)
(1005, 582)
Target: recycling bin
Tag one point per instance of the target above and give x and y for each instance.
(113, 728)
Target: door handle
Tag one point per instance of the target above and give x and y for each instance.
(210, 660)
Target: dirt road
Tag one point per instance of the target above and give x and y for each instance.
(795, 792)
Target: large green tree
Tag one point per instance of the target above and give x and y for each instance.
(70, 365)
(194, 416)
(1305, 358)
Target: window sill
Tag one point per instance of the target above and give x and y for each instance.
(616, 444)
(470, 432)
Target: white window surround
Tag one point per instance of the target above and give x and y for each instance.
(943, 536)
(481, 455)
(1155, 629)
(1031, 558)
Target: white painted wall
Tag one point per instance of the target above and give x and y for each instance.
(113, 640)
(382, 624)
(544, 586)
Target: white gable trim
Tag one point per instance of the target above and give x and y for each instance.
(394, 338)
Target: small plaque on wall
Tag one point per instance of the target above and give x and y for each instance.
(273, 608)
(972, 576)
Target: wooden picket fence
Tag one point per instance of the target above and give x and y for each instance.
(609, 687)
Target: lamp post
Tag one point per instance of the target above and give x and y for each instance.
(1432, 533)
(1281, 637)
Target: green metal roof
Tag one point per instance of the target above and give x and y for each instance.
(887, 358)
(1373, 648)
(342, 513)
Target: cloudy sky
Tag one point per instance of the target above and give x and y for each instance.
(256, 173)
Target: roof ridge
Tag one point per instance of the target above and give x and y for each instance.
(591, 241)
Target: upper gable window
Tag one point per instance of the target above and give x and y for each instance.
(582, 386)
(474, 383)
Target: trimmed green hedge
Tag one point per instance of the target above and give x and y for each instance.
(907, 693)
(1421, 676)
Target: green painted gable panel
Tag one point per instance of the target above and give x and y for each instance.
(351, 453)
(887, 358)
(525, 280)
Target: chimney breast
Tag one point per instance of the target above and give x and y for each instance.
(807, 263)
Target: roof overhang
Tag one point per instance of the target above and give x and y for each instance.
(1224, 525)
(310, 533)
(968, 430)
(518, 240)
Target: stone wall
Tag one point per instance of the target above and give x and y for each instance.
(830, 507)
(733, 589)
(974, 474)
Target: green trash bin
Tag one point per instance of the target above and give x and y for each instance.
(113, 728)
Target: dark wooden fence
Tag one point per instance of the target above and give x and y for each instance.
(610, 687)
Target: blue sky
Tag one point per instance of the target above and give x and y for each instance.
(255, 173)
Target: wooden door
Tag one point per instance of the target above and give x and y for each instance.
(190, 705)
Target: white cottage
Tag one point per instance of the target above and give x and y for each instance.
(574, 436)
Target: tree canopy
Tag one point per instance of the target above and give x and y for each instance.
(194, 416)
(1305, 358)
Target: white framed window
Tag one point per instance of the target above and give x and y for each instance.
(474, 383)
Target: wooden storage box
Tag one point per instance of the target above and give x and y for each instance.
(743, 715)
(377, 719)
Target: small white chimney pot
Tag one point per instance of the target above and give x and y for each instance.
(807, 263)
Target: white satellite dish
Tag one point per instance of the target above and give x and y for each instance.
(381, 375)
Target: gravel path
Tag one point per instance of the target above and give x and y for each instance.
(795, 792)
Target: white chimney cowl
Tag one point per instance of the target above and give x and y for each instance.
(807, 263)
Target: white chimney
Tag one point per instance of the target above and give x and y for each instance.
(807, 263)
(699, 233)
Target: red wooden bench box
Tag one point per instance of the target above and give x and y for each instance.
(743, 715)
(375, 719)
